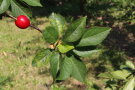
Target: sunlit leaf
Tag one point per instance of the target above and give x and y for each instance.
(130, 84)
(58, 22)
(63, 48)
(94, 36)
(120, 74)
(75, 30)
(130, 64)
(86, 53)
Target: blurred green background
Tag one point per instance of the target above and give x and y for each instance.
(18, 47)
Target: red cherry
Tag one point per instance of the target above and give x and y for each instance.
(22, 22)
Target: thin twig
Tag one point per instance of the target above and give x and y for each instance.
(12, 17)
(36, 28)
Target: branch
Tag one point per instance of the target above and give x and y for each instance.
(11, 16)
(36, 28)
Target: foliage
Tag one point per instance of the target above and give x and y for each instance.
(118, 9)
(123, 79)
(18, 7)
(65, 38)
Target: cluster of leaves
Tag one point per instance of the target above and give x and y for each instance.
(65, 41)
(18, 6)
(119, 9)
(123, 3)
(123, 79)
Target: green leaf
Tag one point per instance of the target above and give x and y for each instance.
(41, 58)
(4, 5)
(94, 36)
(72, 67)
(75, 30)
(58, 22)
(33, 2)
(63, 48)
(66, 69)
(50, 34)
(120, 74)
(130, 64)
(130, 84)
(86, 53)
(105, 75)
(78, 70)
(18, 9)
(54, 64)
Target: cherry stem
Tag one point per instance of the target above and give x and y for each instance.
(36, 28)
(12, 17)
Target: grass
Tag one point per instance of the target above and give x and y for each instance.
(17, 49)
